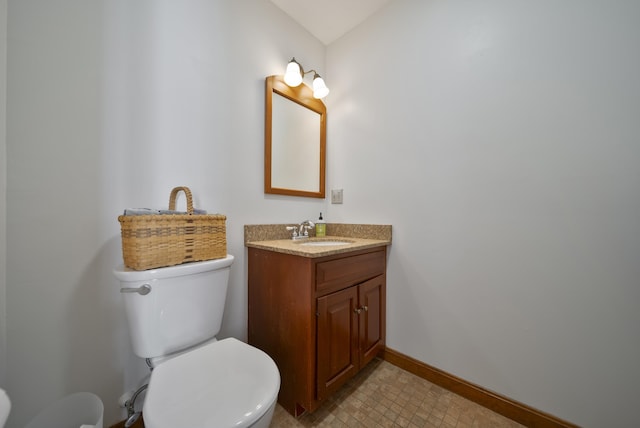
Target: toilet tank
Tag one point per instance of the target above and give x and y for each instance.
(184, 306)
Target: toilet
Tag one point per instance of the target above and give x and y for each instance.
(174, 314)
(5, 407)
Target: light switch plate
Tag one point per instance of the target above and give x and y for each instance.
(336, 196)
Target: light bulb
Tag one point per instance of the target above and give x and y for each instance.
(320, 90)
(293, 75)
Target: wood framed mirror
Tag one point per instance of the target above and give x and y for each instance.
(295, 140)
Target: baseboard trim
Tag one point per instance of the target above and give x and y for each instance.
(507, 407)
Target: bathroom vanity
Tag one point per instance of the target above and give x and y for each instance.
(318, 311)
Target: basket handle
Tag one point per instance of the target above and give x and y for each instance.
(187, 192)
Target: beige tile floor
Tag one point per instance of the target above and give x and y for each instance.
(383, 395)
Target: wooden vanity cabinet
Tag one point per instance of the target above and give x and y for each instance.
(350, 333)
(320, 319)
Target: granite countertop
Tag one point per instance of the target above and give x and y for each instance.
(359, 237)
(297, 248)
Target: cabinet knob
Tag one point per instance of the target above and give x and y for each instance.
(359, 310)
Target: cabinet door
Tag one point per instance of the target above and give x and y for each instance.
(372, 329)
(338, 348)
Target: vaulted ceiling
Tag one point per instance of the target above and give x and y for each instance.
(328, 20)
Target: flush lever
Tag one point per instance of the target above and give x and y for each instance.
(143, 290)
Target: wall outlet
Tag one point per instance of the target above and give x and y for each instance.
(336, 196)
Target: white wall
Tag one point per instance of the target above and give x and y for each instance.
(262, 37)
(110, 105)
(500, 139)
(3, 189)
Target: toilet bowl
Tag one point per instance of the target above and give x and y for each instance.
(197, 381)
(222, 384)
(5, 407)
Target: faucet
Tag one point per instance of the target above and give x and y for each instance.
(302, 230)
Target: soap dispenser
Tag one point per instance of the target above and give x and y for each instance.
(321, 227)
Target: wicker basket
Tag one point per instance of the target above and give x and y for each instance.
(151, 241)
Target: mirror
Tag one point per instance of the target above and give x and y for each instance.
(295, 140)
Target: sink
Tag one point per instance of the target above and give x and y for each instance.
(325, 243)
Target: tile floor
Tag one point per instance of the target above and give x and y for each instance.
(383, 395)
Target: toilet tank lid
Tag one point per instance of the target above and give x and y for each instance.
(223, 384)
(129, 275)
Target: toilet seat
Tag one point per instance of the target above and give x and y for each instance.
(222, 384)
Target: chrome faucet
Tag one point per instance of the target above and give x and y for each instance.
(294, 231)
(302, 230)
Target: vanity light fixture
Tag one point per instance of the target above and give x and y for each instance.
(295, 73)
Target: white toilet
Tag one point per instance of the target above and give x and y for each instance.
(5, 407)
(174, 314)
